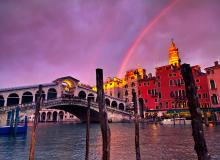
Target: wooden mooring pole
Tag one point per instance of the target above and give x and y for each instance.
(88, 129)
(196, 116)
(103, 116)
(36, 117)
(137, 138)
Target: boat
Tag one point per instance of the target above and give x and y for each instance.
(12, 127)
(8, 130)
(175, 121)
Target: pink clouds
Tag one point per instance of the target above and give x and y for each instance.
(42, 40)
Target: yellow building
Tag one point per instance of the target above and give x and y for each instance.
(122, 88)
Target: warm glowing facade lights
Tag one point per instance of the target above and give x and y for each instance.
(174, 55)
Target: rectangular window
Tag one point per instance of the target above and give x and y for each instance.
(175, 82)
(171, 82)
(176, 93)
(212, 84)
(149, 91)
(159, 95)
(180, 94)
(167, 104)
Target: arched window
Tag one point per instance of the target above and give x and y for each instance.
(121, 106)
(82, 95)
(61, 115)
(107, 102)
(13, 99)
(55, 116)
(49, 116)
(43, 116)
(27, 97)
(2, 101)
(114, 104)
(52, 94)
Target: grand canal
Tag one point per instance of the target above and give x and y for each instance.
(67, 141)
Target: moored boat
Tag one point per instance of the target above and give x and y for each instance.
(176, 121)
(12, 127)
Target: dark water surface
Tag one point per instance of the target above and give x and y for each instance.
(67, 141)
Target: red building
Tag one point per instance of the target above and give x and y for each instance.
(166, 91)
(147, 90)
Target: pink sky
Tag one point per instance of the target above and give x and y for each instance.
(41, 40)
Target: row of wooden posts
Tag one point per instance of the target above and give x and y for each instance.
(191, 93)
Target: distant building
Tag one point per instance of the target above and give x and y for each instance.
(213, 74)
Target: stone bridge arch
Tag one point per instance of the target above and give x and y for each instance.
(79, 111)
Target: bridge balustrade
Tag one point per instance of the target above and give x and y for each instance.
(59, 101)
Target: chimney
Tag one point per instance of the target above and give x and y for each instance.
(216, 63)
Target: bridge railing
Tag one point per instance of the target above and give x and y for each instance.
(58, 101)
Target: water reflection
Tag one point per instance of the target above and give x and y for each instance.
(67, 141)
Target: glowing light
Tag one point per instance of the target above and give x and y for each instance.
(173, 54)
(141, 36)
(67, 85)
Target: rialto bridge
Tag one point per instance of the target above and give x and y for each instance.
(64, 93)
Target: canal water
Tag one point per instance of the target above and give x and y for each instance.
(67, 141)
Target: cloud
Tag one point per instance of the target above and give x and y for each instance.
(43, 40)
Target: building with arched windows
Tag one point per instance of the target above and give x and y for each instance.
(55, 115)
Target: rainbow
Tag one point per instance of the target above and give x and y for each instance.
(130, 51)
